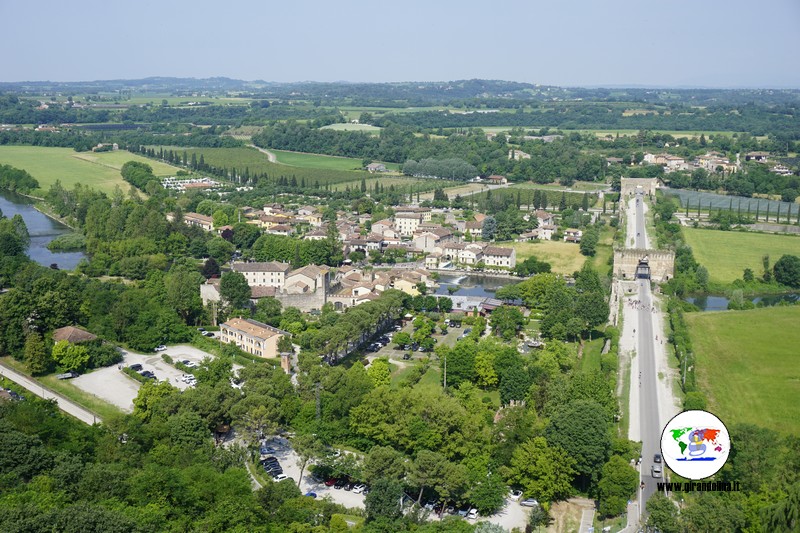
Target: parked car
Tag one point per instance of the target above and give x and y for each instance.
(530, 502)
(348, 486)
(136, 367)
(311, 494)
(515, 495)
(147, 374)
(280, 477)
(472, 514)
(656, 471)
(208, 333)
(331, 482)
(358, 489)
(67, 375)
(189, 364)
(160, 348)
(657, 458)
(340, 483)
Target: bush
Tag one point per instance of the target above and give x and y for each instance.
(167, 359)
(102, 354)
(694, 400)
(135, 375)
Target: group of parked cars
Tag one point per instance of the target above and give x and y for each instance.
(136, 367)
(346, 484)
(382, 341)
(205, 333)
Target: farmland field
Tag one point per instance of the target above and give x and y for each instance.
(327, 162)
(747, 375)
(120, 157)
(258, 163)
(727, 253)
(97, 170)
(577, 186)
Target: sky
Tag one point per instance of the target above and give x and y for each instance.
(674, 43)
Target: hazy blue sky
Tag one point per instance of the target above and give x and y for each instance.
(719, 43)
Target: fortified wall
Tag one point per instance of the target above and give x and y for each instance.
(629, 186)
(661, 263)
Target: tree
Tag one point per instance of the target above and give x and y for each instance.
(787, 271)
(220, 249)
(402, 338)
(783, 515)
(36, 357)
(182, 285)
(588, 245)
(662, 514)
(489, 495)
(379, 373)
(70, 356)
(484, 369)
(233, 288)
(539, 517)
(543, 471)
(488, 228)
(618, 483)
(506, 321)
(306, 447)
(384, 462)
(384, 500)
(581, 428)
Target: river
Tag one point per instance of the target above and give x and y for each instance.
(471, 284)
(42, 230)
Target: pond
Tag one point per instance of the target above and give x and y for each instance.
(720, 303)
(42, 230)
(471, 284)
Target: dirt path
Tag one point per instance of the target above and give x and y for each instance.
(270, 155)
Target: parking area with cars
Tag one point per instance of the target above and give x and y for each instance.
(112, 385)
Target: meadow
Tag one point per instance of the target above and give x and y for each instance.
(727, 253)
(258, 163)
(564, 257)
(325, 162)
(96, 170)
(748, 365)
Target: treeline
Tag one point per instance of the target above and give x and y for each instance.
(456, 169)
(138, 174)
(17, 180)
(757, 120)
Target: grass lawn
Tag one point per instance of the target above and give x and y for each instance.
(749, 365)
(727, 253)
(590, 362)
(120, 157)
(564, 257)
(577, 186)
(50, 164)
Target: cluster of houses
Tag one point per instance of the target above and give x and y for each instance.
(710, 161)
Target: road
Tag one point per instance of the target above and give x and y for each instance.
(270, 156)
(36, 388)
(650, 424)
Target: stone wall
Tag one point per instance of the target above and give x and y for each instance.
(628, 186)
(662, 264)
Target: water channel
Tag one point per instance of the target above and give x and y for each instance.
(720, 303)
(42, 230)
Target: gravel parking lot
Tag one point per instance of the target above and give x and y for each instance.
(117, 388)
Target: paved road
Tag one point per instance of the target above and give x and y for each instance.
(650, 425)
(36, 388)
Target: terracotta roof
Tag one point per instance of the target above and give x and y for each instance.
(72, 335)
(497, 250)
(253, 328)
(262, 292)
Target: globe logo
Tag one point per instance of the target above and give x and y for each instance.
(695, 444)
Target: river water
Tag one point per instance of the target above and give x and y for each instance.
(471, 284)
(42, 230)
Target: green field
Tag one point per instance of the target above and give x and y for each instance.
(97, 170)
(727, 253)
(326, 162)
(258, 163)
(577, 186)
(749, 365)
(564, 257)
